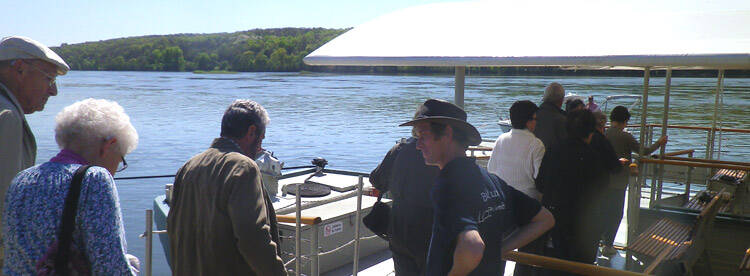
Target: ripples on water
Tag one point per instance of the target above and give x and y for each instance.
(351, 120)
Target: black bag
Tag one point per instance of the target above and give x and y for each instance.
(378, 218)
(62, 257)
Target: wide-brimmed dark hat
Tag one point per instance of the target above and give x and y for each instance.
(447, 113)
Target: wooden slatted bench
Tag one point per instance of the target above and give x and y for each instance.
(699, 202)
(745, 264)
(674, 247)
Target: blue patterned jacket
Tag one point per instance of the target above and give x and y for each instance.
(33, 211)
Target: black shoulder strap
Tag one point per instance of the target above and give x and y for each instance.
(65, 235)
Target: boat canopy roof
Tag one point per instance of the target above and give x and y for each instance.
(578, 34)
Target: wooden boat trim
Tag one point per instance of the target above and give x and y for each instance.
(737, 130)
(564, 265)
(708, 161)
(304, 220)
(675, 153)
(695, 164)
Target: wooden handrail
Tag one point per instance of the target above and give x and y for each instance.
(695, 164)
(708, 161)
(738, 130)
(675, 153)
(304, 220)
(565, 265)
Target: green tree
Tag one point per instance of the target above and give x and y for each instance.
(204, 62)
(277, 62)
(173, 59)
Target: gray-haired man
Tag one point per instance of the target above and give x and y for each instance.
(221, 221)
(27, 78)
(550, 119)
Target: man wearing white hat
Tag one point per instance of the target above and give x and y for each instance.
(27, 78)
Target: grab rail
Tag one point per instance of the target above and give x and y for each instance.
(708, 161)
(675, 153)
(695, 164)
(737, 130)
(565, 265)
(304, 220)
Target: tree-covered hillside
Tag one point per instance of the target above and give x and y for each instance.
(253, 50)
(274, 50)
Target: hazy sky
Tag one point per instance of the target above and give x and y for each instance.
(53, 22)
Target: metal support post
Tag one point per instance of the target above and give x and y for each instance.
(297, 232)
(634, 204)
(655, 185)
(689, 178)
(664, 124)
(644, 111)
(149, 241)
(314, 251)
(357, 222)
(458, 97)
(719, 90)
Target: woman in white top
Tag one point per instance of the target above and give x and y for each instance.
(518, 153)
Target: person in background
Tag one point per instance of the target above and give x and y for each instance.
(404, 173)
(608, 163)
(516, 158)
(592, 106)
(573, 104)
(550, 122)
(27, 78)
(89, 132)
(221, 221)
(567, 178)
(473, 208)
(624, 144)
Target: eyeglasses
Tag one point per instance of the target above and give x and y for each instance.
(52, 79)
(123, 166)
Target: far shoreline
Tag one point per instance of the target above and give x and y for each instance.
(474, 72)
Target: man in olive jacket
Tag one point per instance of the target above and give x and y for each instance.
(221, 221)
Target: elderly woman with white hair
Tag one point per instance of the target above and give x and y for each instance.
(89, 132)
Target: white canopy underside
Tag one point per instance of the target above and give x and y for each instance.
(575, 34)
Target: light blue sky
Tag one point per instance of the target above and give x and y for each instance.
(53, 22)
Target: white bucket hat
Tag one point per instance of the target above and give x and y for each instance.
(19, 47)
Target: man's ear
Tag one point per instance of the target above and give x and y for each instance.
(251, 133)
(448, 132)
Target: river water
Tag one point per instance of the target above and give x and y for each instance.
(351, 120)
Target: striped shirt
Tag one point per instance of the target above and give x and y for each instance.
(516, 158)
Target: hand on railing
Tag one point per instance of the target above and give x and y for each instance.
(633, 169)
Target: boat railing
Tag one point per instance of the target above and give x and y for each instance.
(659, 171)
(694, 162)
(667, 155)
(656, 190)
(736, 130)
(300, 221)
(565, 265)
